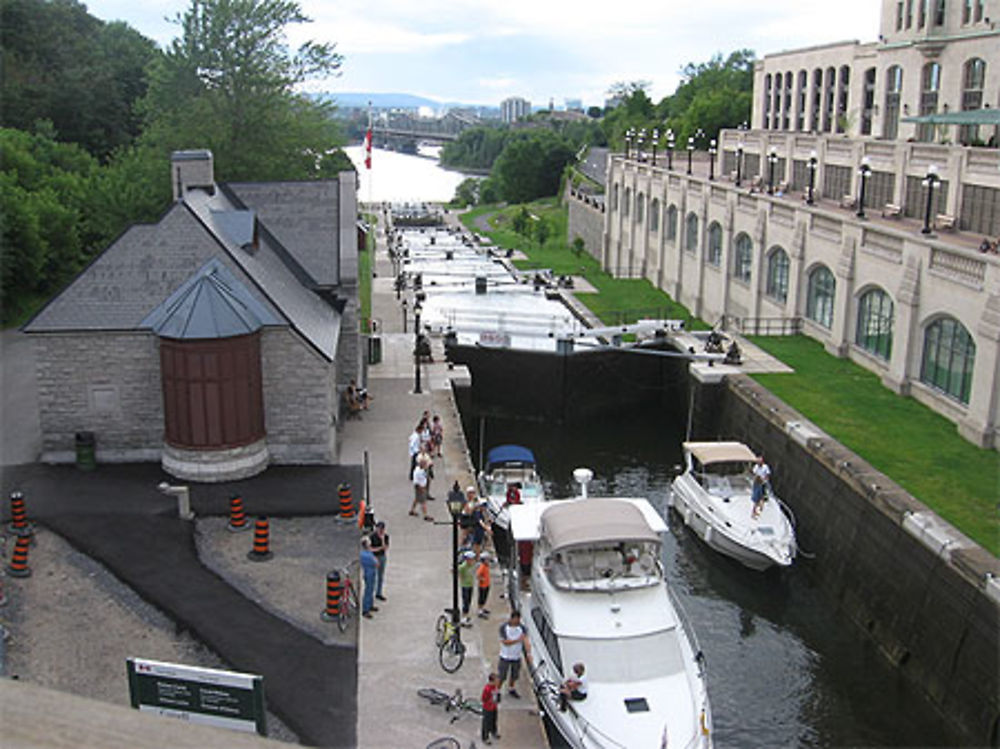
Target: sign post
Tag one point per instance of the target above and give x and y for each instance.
(225, 699)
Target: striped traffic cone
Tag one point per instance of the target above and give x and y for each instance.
(18, 566)
(261, 538)
(237, 515)
(333, 592)
(19, 524)
(346, 505)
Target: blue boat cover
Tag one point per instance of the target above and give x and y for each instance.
(509, 454)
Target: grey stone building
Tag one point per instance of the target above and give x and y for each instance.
(216, 340)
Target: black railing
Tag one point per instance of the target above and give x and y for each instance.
(762, 325)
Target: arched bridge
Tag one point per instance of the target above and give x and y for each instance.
(441, 129)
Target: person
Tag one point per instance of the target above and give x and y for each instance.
(513, 645)
(483, 578)
(380, 545)
(369, 568)
(414, 447)
(513, 494)
(761, 485)
(491, 700)
(480, 525)
(465, 521)
(425, 455)
(985, 245)
(420, 490)
(466, 580)
(574, 688)
(351, 402)
(437, 435)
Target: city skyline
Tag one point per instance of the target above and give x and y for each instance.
(483, 52)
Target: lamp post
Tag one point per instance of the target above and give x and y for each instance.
(455, 502)
(812, 166)
(670, 149)
(712, 150)
(929, 181)
(656, 142)
(772, 161)
(864, 172)
(639, 142)
(690, 151)
(739, 162)
(416, 346)
(628, 141)
(404, 315)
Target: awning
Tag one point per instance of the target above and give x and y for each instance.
(720, 452)
(985, 116)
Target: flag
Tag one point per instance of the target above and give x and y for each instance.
(368, 149)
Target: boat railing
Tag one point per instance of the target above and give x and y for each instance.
(686, 626)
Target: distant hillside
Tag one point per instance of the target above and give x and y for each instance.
(381, 101)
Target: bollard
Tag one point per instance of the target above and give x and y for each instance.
(361, 514)
(346, 506)
(237, 516)
(260, 551)
(333, 592)
(19, 524)
(18, 566)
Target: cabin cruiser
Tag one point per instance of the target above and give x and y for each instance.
(509, 477)
(598, 597)
(712, 495)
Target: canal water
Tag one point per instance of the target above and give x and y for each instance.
(402, 178)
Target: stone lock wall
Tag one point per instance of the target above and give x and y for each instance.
(586, 220)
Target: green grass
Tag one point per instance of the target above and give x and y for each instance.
(919, 449)
(366, 261)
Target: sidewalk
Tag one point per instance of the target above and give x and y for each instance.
(396, 652)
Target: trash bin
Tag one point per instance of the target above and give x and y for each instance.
(86, 459)
(374, 349)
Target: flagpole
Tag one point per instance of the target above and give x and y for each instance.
(368, 155)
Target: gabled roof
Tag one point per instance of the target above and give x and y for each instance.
(210, 304)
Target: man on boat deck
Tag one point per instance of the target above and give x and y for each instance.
(761, 486)
(574, 688)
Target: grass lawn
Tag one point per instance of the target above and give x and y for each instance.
(916, 447)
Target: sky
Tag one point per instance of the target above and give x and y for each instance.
(482, 51)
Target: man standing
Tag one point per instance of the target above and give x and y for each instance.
(420, 490)
(414, 448)
(513, 644)
(379, 540)
(761, 485)
(369, 568)
(490, 699)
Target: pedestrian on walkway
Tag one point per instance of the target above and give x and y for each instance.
(420, 490)
(437, 435)
(483, 578)
(467, 580)
(414, 448)
(379, 540)
(513, 645)
(491, 702)
(369, 568)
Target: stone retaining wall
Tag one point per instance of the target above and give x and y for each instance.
(586, 220)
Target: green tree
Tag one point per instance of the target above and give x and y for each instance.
(542, 231)
(531, 166)
(228, 84)
(578, 246)
(521, 222)
(712, 95)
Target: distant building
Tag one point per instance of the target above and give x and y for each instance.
(574, 105)
(514, 109)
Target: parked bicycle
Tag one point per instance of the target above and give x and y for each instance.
(456, 702)
(348, 599)
(448, 639)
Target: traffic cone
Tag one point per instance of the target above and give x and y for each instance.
(261, 538)
(346, 505)
(237, 516)
(18, 566)
(333, 593)
(19, 524)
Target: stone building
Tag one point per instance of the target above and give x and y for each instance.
(216, 340)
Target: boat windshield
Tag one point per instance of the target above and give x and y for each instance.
(723, 477)
(629, 564)
(531, 487)
(623, 660)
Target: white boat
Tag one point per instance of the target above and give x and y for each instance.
(712, 495)
(598, 596)
(507, 466)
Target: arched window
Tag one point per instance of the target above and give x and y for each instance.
(817, 100)
(801, 104)
(930, 84)
(787, 106)
(614, 198)
(973, 79)
(627, 203)
(843, 96)
(893, 91)
(640, 202)
(819, 302)
(829, 98)
(743, 257)
(714, 243)
(874, 331)
(767, 101)
(654, 215)
(777, 274)
(948, 358)
(691, 233)
(672, 222)
(868, 102)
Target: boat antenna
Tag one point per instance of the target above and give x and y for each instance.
(582, 476)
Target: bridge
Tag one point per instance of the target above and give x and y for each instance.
(405, 126)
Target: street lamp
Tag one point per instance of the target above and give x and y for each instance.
(639, 142)
(656, 142)
(929, 181)
(417, 309)
(712, 150)
(864, 172)
(455, 503)
(628, 140)
(812, 166)
(690, 151)
(404, 315)
(670, 149)
(739, 162)
(772, 161)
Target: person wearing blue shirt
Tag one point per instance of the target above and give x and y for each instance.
(369, 567)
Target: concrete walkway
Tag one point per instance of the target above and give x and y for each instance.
(396, 652)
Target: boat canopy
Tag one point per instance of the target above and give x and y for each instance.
(594, 521)
(719, 452)
(509, 454)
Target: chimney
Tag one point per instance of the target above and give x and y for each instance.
(191, 170)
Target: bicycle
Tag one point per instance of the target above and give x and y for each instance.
(456, 702)
(448, 639)
(348, 601)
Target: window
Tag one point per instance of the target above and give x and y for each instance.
(777, 274)
(893, 91)
(742, 257)
(548, 636)
(930, 85)
(640, 203)
(672, 222)
(767, 101)
(899, 15)
(843, 94)
(967, 11)
(691, 233)
(922, 13)
(829, 96)
(627, 205)
(817, 99)
(800, 108)
(819, 303)
(909, 13)
(715, 244)
(874, 331)
(614, 198)
(868, 102)
(948, 358)
(654, 215)
(979, 11)
(940, 14)
(972, 97)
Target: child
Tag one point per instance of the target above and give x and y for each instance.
(483, 576)
(490, 699)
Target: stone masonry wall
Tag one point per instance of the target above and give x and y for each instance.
(587, 222)
(105, 383)
(300, 400)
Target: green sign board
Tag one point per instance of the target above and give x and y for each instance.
(200, 695)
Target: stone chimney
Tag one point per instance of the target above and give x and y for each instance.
(191, 170)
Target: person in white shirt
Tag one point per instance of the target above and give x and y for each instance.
(574, 688)
(761, 486)
(414, 447)
(420, 489)
(513, 645)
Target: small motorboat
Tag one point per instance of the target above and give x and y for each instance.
(508, 477)
(712, 495)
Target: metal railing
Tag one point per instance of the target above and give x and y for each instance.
(762, 325)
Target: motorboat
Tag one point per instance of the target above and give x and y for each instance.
(712, 495)
(509, 476)
(598, 596)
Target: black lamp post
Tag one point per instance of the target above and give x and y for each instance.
(690, 151)
(670, 149)
(739, 162)
(628, 141)
(656, 142)
(929, 181)
(416, 346)
(455, 502)
(638, 148)
(812, 166)
(864, 172)
(772, 160)
(404, 315)
(712, 150)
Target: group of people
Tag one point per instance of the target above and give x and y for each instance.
(987, 246)
(356, 400)
(374, 550)
(424, 444)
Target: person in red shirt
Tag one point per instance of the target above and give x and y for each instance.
(490, 700)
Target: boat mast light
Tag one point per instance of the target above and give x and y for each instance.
(582, 476)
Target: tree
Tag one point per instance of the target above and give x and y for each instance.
(578, 246)
(542, 231)
(531, 165)
(521, 222)
(228, 84)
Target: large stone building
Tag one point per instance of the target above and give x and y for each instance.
(514, 109)
(216, 340)
(775, 240)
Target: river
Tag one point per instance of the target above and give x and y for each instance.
(402, 178)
